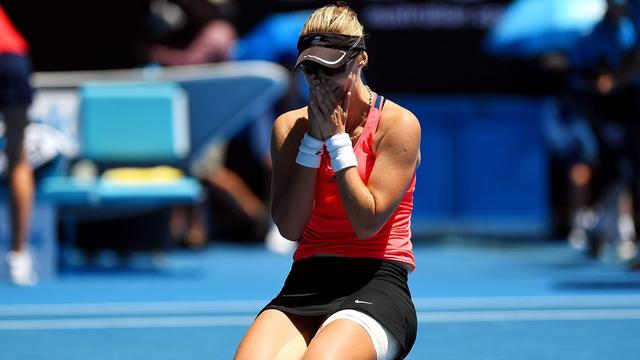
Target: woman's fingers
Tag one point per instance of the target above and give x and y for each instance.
(345, 105)
(320, 103)
(333, 90)
(327, 97)
(315, 119)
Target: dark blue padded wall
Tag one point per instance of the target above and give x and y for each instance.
(484, 167)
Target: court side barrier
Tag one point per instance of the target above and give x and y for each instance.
(223, 97)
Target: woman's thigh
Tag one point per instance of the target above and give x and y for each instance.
(275, 335)
(341, 339)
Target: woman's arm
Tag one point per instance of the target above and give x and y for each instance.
(397, 155)
(292, 185)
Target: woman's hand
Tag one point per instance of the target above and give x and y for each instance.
(327, 114)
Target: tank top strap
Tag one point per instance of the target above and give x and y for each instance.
(378, 103)
(373, 119)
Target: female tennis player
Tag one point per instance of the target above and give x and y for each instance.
(343, 180)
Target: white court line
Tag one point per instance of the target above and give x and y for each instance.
(169, 307)
(528, 315)
(220, 321)
(126, 323)
(528, 302)
(222, 307)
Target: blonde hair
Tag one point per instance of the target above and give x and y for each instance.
(337, 19)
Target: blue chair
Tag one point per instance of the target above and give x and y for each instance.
(125, 124)
(131, 124)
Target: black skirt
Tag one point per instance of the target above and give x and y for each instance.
(323, 285)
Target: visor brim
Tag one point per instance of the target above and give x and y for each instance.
(323, 56)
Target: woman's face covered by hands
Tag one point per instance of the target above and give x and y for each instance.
(332, 82)
(329, 98)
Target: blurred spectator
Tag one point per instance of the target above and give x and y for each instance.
(236, 173)
(187, 32)
(237, 202)
(573, 153)
(15, 97)
(605, 75)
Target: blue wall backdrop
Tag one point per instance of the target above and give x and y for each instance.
(484, 164)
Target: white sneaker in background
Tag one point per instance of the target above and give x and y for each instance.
(578, 239)
(627, 250)
(277, 243)
(21, 268)
(584, 221)
(626, 227)
(626, 246)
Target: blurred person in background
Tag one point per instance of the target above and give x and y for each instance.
(187, 32)
(15, 98)
(604, 74)
(343, 182)
(238, 212)
(236, 172)
(573, 154)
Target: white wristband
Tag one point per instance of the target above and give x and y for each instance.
(310, 152)
(341, 152)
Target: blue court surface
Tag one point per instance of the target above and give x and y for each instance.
(476, 299)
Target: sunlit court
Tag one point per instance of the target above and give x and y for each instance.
(371, 179)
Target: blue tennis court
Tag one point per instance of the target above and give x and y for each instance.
(476, 299)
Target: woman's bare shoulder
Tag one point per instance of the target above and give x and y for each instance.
(290, 119)
(401, 130)
(289, 128)
(398, 118)
(293, 115)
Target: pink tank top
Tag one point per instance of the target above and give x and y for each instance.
(329, 230)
